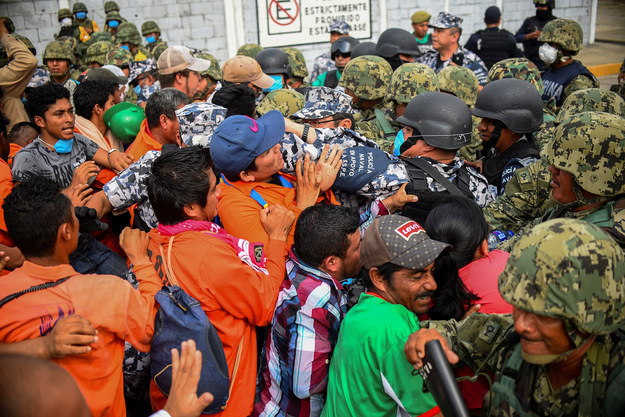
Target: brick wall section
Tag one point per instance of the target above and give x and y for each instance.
(201, 24)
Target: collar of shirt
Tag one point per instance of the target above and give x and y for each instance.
(293, 263)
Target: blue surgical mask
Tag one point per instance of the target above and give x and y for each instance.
(63, 145)
(113, 23)
(399, 139)
(81, 15)
(24, 101)
(277, 84)
(150, 39)
(125, 47)
(137, 89)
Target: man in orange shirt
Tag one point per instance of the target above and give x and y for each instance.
(235, 281)
(21, 134)
(42, 223)
(161, 124)
(247, 152)
(6, 185)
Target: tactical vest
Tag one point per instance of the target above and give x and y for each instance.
(331, 80)
(493, 166)
(530, 46)
(493, 46)
(556, 80)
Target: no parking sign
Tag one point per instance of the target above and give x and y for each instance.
(297, 22)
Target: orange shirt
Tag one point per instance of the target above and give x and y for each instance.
(6, 186)
(13, 149)
(115, 309)
(143, 143)
(235, 297)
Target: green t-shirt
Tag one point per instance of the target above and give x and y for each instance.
(321, 80)
(369, 374)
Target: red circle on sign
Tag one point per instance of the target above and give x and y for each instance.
(278, 6)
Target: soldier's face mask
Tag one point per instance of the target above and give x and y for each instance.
(548, 54)
(126, 47)
(277, 84)
(66, 22)
(113, 23)
(81, 15)
(543, 14)
(150, 39)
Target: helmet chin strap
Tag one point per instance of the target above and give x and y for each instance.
(581, 200)
(487, 145)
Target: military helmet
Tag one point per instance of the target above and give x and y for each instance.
(114, 15)
(396, 41)
(98, 52)
(363, 48)
(591, 99)
(549, 3)
(459, 81)
(119, 57)
(214, 71)
(159, 49)
(123, 25)
(63, 13)
(101, 36)
(571, 270)
(71, 41)
(8, 24)
(409, 80)
(285, 101)
(344, 45)
(443, 120)
(273, 61)
(149, 26)
(249, 49)
(79, 7)
(367, 76)
(58, 50)
(566, 33)
(26, 42)
(521, 68)
(128, 35)
(591, 147)
(297, 62)
(110, 6)
(515, 103)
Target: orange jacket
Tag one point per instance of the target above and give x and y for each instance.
(13, 149)
(239, 213)
(235, 297)
(115, 309)
(143, 143)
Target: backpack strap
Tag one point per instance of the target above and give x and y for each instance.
(384, 124)
(173, 280)
(34, 288)
(435, 174)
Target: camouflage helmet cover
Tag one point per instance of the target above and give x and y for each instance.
(321, 102)
(114, 15)
(591, 147)
(285, 101)
(110, 6)
(98, 52)
(591, 99)
(214, 71)
(8, 24)
(297, 62)
(128, 35)
(101, 36)
(58, 50)
(249, 49)
(409, 80)
(521, 68)
(79, 7)
(63, 13)
(459, 81)
(149, 26)
(119, 57)
(566, 33)
(367, 76)
(70, 40)
(571, 270)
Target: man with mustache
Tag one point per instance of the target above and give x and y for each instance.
(399, 257)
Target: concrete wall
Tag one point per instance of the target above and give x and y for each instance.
(202, 24)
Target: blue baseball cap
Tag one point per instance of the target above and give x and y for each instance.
(238, 140)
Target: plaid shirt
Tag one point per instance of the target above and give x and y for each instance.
(304, 330)
(470, 61)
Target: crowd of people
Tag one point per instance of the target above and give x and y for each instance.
(328, 224)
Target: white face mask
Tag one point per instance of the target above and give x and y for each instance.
(548, 54)
(66, 21)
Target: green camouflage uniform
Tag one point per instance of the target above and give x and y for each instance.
(368, 77)
(298, 65)
(565, 269)
(249, 49)
(98, 52)
(285, 101)
(150, 26)
(212, 74)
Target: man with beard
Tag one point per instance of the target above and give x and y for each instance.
(531, 29)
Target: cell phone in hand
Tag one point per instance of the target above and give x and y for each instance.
(458, 58)
(441, 382)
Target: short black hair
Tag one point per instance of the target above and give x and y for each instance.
(386, 270)
(323, 230)
(4, 123)
(179, 177)
(165, 101)
(16, 135)
(41, 98)
(92, 92)
(338, 117)
(237, 98)
(33, 213)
